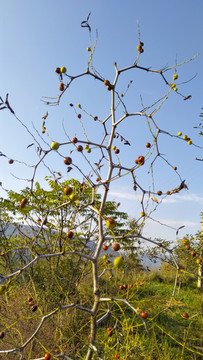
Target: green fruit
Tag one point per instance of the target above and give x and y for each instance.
(73, 197)
(63, 69)
(118, 261)
(55, 145)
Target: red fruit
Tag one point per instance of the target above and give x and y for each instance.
(107, 261)
(116, 247)
(136, 161)
(39, 220)
(23, 203)
(105, 247)
(140, 160)
(29, 298)
(34, 308)
(74, 140)
(106, 82)
(117, 151)
(175, 168)
(193, 253)
(125, 286)
(67, 190)
(121, 287)
(61, 87)
(96, 118)
(97, 179)
(69, 234)
(116, 356)
(131, 285)
(148, 145)
(31, 303)
(187, 247)
(10, 161)
(58, 70)
(67, 161)
(168, 192)
(79, 148)
(110, 333)
(144, 315)
(2, 334)
(79, 116)
(108, 329)
(89, 337)
(47, 356)
(159, 192)
(185, 315)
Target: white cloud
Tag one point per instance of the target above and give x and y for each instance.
(177, 223)
(186, 197)
(195, 198)
(122, 195)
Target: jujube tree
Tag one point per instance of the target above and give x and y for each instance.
(63, 220)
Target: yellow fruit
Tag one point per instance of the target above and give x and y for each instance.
(118, 261)
(55, 145)
(189, 142)
(175, 89)
(185, 137)
(173, 86)
(63, 69)
(89, 49)
(180, 133)
(110, 223)
(185, 241)
(175, 77)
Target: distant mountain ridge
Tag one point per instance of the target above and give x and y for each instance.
(10, 230)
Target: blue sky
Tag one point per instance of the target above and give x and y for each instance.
(37, 36)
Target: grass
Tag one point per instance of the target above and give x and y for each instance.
(166, 336)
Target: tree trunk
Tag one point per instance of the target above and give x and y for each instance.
(200, 267)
